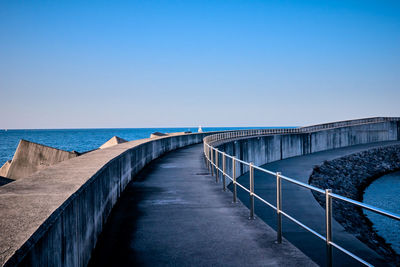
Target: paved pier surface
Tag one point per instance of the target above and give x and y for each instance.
(174, 214)
(301, 204)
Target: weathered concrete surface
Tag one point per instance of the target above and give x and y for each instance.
(115, 140)
(31, 157)
(301, 204)
(354, 135)
(54, 216)
(174, 214)
(4, 169)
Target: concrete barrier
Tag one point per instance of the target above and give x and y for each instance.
(32, 157)
(53, 218)
(264, 149)
(115, 140)
(4, 169)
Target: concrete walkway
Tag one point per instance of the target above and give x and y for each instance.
(301, 204)
(174, 214)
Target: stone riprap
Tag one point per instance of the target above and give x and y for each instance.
(349, 176)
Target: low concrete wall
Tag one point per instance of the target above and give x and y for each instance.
(264, 149)
(53, 218)
(354, 135)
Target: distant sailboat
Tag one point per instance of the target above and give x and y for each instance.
(200, 130)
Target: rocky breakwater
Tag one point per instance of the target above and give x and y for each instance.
(349, 176)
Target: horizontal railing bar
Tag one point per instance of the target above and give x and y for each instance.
(368, 207)
(345, 251)
(229, 177)
(244, 188)
(357, 203)
(219, 169)
(254, 132)
(241, 161)
(264, 170)
(302, 184)
(303, 225)
(229, 156)
(264, 201)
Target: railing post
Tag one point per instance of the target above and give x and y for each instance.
(328, 218)
(234, 180)
(216, 165)
(223, 171)
(279, 207)
(208, 158)
(251, 173)
(212, 161)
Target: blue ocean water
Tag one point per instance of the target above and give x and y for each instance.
(385, 193)
(81, 140)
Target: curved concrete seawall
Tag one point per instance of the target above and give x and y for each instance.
(268, 148)
(53, 218)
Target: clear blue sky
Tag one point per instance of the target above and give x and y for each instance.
(73, 64)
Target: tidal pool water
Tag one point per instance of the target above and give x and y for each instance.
(385, 193)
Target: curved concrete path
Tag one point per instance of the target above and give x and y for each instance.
(174, 214)
(301, 204)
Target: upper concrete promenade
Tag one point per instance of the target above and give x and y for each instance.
(174, 214)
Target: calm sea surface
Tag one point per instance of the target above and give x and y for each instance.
(81, 140)
(385, 193)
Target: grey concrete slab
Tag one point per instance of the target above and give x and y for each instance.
(174, 214)
(301, 204)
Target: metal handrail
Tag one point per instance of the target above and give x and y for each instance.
(307, 129)
(212, 155)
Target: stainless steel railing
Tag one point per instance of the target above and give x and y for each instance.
(338, 124)
(212, 155)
